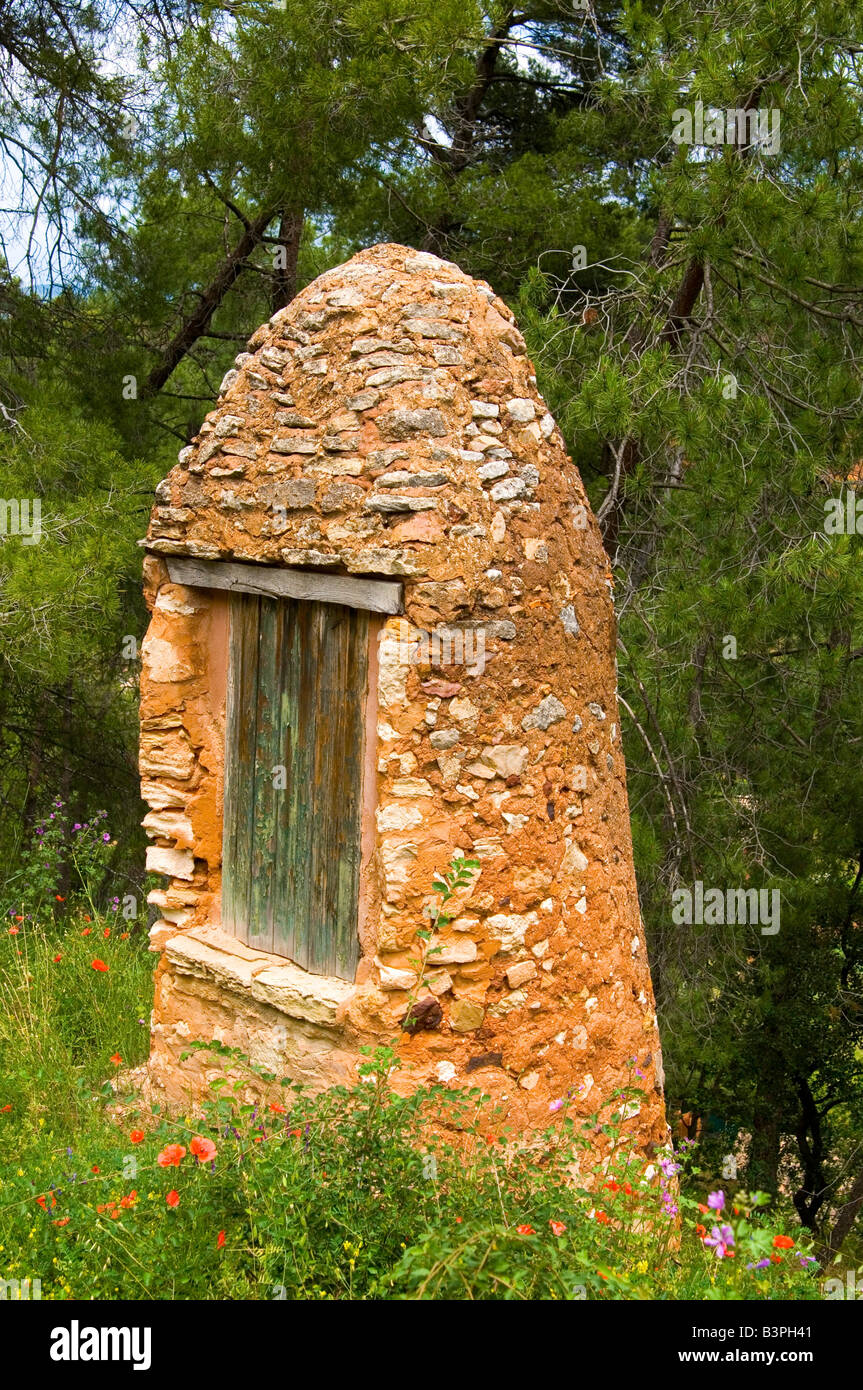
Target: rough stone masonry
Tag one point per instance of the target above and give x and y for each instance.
(388, 423)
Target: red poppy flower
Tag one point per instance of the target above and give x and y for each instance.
(612, 1185)
(116, 1059)
(4, 1108)
(86, 918)
(458, 1220)
(57, 959)
(95, 1168)
(277, 1109)
(171, 1154)
(13, 931)
(557, 1228)
(783, 1243)
(220, 1240)
(173, 1198)
(701, 1231)
(525, 1230)
(99, 965)
(204, 1149)
(602, 1218)
(627, 1187)
(107, 931)
(124, 936)
(42, 1201)
(62, 1221)
(776, 1259)
(19, 917)
(86, 931)
(58, 899)
(130, 1200)
(296, 1133)
(136, 1136)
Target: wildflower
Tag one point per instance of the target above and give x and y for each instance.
(95, 1168)
(116, 1059)
(525, 1230)
(107, 931)
(124, 936)
(58, 899)
(277, 1109)
(86, 918)
(42, 1201)
(612, 1185)
(220, 1240)
(555, 1105)
(136, 1136)
(557, 1228)
(173, 1198)
(458, 1220)
(716, 1201)
(106, 837)
(721, 1240)
(602, 1218)
(62, 1221)
(171, 1154)
(4, 1108)
(700, 1231)
(99, 965)
(669, 1167)
(783, 1243)
(86, 931)
(761, 1264)
(57, 959)
(13, 931)
(204, 1149)
(130, 1200)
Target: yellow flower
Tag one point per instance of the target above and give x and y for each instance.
(642, 1266)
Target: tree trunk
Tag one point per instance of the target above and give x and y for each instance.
(199, 321)
(286, 257)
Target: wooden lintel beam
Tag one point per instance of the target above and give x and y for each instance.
(373, 595)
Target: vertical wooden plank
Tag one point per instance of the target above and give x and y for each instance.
(240, 742)
(263, 839)
(284, 915)
(348, 765)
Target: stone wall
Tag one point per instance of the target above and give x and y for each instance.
(388, 423)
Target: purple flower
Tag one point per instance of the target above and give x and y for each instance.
(716, 1201)
(762, 1264)
(669, 1167)
(555, 1105)
(106, 836)
(77, 825)
(720, 1239)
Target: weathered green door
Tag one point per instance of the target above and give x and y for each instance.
(297, 684)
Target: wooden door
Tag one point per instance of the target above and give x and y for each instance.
(297, 688)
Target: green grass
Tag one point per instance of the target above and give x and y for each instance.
(356, 1194)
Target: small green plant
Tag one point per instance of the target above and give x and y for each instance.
(458, 874)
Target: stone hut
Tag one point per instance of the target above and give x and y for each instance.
(383, 638)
